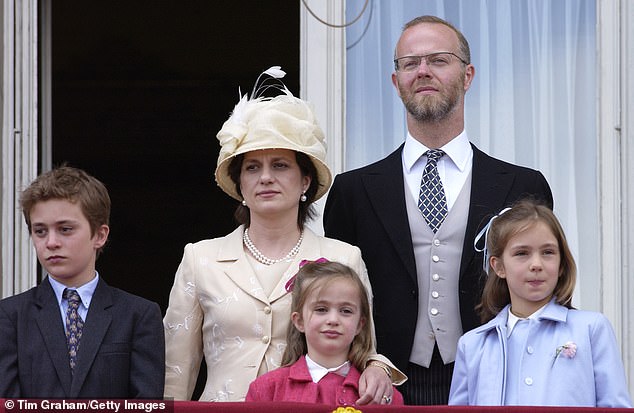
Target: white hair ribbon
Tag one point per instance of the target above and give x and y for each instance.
(485, 232)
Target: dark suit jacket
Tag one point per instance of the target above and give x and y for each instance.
(121, 353)
(366, 208)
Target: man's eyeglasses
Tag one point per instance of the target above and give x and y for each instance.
(437, 60)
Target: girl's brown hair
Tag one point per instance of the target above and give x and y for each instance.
(523, 215)
(314, 276)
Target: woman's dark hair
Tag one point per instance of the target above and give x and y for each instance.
(306, 209)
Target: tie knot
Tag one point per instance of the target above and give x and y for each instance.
(72, 296)
(434, 154)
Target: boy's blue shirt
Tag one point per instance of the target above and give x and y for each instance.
(85, 292)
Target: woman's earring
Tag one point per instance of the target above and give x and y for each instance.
(303, 197)
(244, 203)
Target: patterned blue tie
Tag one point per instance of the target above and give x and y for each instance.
(432, 201)
(74, 325)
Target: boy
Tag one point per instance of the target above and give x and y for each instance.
(103, 343)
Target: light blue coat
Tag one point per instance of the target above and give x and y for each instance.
(594, 377)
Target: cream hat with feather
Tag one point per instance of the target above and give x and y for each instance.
(280, 122)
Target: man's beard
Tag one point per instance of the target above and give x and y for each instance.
(433, 108)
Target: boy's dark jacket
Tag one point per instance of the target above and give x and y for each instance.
(121, 353)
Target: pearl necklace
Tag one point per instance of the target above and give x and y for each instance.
(264, 259)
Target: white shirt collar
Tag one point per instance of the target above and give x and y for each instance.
(458, 150)
(317, 372)
(513, 319)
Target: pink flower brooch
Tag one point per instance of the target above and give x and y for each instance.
(568, 350)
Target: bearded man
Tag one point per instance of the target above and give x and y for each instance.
(415, 214)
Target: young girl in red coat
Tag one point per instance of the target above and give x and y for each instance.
(329, 340)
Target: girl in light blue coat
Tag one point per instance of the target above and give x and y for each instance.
(535, 348)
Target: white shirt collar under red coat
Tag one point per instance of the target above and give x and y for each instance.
(317, 372)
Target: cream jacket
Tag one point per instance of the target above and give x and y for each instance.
(218, 309)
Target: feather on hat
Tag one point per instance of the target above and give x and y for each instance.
(280, 122)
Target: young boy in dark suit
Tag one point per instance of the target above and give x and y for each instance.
(74, 336)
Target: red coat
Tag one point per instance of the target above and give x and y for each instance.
(294, 383)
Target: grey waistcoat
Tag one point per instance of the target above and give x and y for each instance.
(438, 268)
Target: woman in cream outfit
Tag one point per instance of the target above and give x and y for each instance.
(229, 301)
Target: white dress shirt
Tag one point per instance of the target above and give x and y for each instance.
(453, 168)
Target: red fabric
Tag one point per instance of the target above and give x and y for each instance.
(294, 384)
(295, 407)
